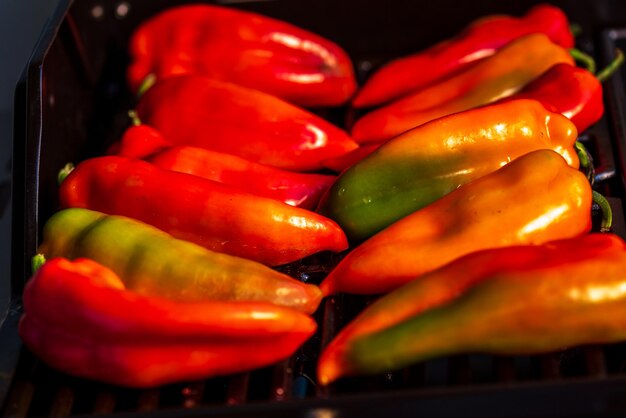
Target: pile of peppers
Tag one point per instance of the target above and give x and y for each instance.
(459, 192)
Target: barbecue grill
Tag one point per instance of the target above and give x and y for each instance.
(71, 103)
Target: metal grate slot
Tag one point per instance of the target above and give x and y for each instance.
(238, 389)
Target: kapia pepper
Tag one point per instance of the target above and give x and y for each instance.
(514, 300)
(138, 140)
(422, 165)
(199, 111)
(493, 78)
(217, 216)
(295, 189)
(244, 48)
(534, 199)
(572, 91)
(481, 39)
(80, 318)
(153, 263)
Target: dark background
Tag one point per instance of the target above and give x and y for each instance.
(21, 21)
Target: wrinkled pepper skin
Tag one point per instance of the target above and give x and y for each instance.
(206, 113)
(479, 40)
(214, 215)
(571, 91)
(296, 189)
(79, 318)
(534, 199)
(153, 263)
(414, 169)
(501, 75)
(243, 48)
(515, 301)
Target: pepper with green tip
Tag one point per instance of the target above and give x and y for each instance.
(514, 300)
(153, 263)
(532, 200)
(428, 162)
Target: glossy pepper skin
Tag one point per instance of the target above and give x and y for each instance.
(572, 91)
(345, 161)
(139, 141)
(211, 214)
(534, 199)
(514, 300)
(153, 263)
(296, 189)
(479, 40)
(224, 117)
(420, 166)
(80, 318)
(244, 48)
(501, 75)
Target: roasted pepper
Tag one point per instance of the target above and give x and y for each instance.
(493, 78)
(152, 263)
(424, 164)
(480, 39)
(296, 189)
(513, 300)
(533, 199)
(211, 214)
(80, 318)
(244, 48)
(199, 111)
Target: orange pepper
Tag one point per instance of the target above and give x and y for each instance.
(532, 200)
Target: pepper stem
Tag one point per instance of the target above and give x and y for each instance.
(585, 59)
(145, 85)
(134, 117)
(610, 69)
(575, 29)
(586, 162)
(37, 261)
(607, 213)
(65, 171)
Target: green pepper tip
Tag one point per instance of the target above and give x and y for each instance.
(64, 172)
(37, 261)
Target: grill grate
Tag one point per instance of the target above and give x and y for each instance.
(289, 386)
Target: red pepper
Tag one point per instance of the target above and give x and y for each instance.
(199, 111)
(572, 91)
(303, 190)
(345, 161)
(213, 215)
(80, 319)
(296, 189)
(244, 48)
(501, 75)
(481, 39)
(139, 140)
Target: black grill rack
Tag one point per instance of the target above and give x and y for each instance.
(71, 104)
